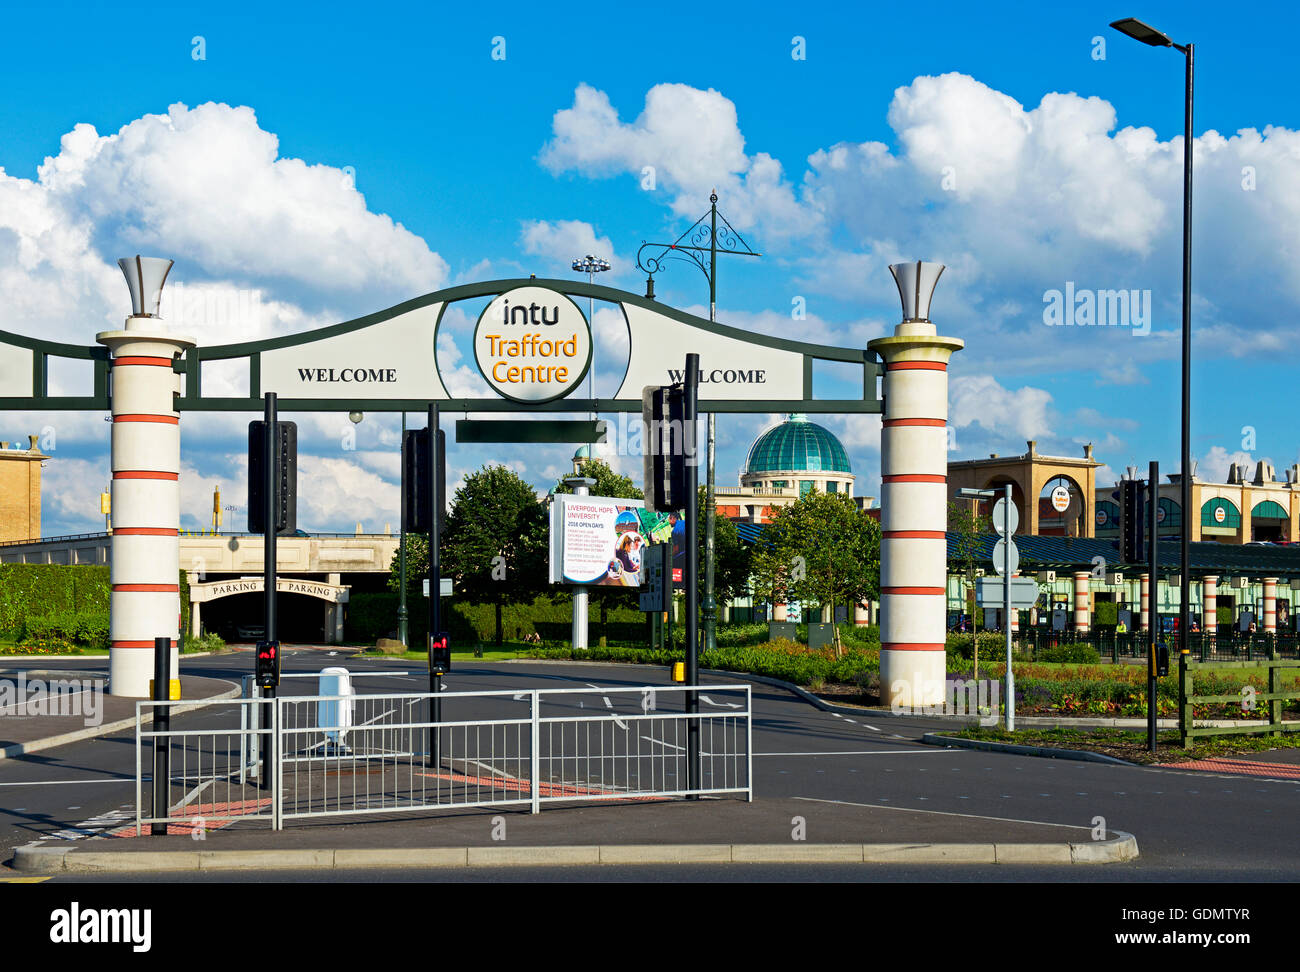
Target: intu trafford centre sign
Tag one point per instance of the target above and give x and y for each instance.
(532, 344)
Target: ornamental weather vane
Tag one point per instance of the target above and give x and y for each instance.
(699, 234)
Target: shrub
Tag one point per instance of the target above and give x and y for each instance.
(45, 646)
(211, 641)
(1106, 614)
(1079, 653)
(86, 629)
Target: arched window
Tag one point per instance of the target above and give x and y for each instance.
(1268, 510)
(1062, 508)
(1107, 516)
(1168, 513)
(1220, 512)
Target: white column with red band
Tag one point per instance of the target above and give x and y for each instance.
(1210, 604)
(1146, 602)
(145, 459)
(1270, 605)
(1081, 601)
(914, 513)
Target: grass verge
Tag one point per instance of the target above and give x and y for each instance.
(1131, 744)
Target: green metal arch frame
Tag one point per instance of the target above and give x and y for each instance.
(190, 364)
(42, 351)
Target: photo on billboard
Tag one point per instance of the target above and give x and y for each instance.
(599, 540)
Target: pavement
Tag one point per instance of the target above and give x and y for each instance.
(787, 831)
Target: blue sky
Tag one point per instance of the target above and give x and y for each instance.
(1000, 139)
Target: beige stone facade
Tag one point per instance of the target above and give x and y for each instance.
(20, 491)
(1037, 477)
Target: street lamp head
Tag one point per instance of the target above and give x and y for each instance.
(591, 264)
(1142, 32)
(145, 277)
(916, 281)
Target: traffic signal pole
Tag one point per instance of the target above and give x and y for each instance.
(691, 458)
(435, 589)
(270, 507)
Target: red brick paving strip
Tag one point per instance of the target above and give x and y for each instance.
(1240, 767)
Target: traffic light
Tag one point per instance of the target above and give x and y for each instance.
(1132, 521)
(268, 664)
(416, 482)
(668, 445)
(285, 481)
(439, 653)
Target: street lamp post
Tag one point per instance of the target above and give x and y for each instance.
(733, 243)
(591, 265)
(402, 616)
(1149, 35)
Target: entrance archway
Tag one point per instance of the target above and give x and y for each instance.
(386, 362)
(236, 609)
(1062, 508)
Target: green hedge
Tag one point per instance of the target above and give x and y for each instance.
(85, 629)
(777, 659)
(46, 590)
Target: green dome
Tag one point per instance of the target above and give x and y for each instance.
(797, 445)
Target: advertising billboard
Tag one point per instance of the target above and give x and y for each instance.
(599, 540)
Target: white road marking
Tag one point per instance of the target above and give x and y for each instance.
(866, 752)
(721, 705)
(680, 749)
(948, 813)
(125, 779)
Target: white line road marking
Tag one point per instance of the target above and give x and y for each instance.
(680, 749)
(866, 752)
(490, 769)
(125, 779)
(620, 723)
(721, 705)
(947, 813)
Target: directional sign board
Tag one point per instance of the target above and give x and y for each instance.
(999, 563)
(1024, 592)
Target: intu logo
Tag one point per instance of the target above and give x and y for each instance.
(510, 315)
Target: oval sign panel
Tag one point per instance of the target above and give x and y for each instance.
(532, 345)
(1060, 499)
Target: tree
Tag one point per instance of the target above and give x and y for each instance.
(731, 560)
(495, 544)
(611, 484)
(608, 482)
(968, 528)
(822, 549)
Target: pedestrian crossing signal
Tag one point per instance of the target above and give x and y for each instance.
(439, 653)
(268, 664)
